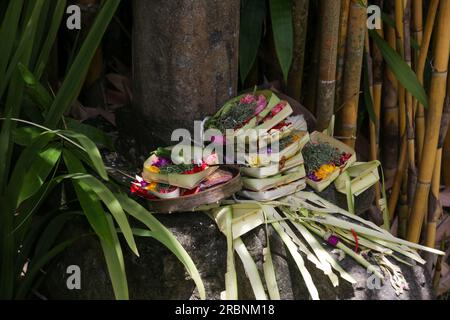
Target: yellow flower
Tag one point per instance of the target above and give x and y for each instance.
(324, 171)
(253, 160)
(153, 169)
(152, 186)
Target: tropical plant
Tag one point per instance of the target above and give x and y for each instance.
(42, 152)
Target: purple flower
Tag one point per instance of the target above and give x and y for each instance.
(162, 162)
(312, 176)
(333, 240)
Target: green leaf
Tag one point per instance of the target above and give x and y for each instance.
(28, 156)
(402, 71)
(25, 44)
(24, 135)
(97, 190)
(96, 135)
(283, 34)
(115, 263)
(91, 150)
(103, 226)
(163, 235)
(37, 92)
(388, 20)
(75, 78)
(252, 17)
(368, 102)
(37, 173)
(55, 23)
(89, 202)
(8, 32)
(114, 206)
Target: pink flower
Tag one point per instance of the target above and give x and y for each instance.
(218, 140)
(260, 104)
(248, 99)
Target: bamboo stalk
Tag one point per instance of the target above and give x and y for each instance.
(313, 75)
(300, 24)
(373, 124)
(420, 67)
(412, 171)
(434, 206)
(343, 25)
(446, 160)
(329, 12)
(403, 210)
(395, 192)
(390, 123)
(352, 73)
(436, 103)
(377, 71)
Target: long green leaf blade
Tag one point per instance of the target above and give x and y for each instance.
(402, 71)
(252, 17)
(283, 33)
(91, 150)
(77, 73)
(8, 32)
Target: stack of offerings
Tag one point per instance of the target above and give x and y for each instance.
(273, 175)
(276, 169)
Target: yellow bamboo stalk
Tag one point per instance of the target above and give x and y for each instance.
(420, 67)
(329, 12)
(417, 27)
(436, 103)
(400, 178)
(434, 208)
(343, 26)
(352, 73)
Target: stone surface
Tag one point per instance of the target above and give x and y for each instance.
(157, 274)
(185, 64)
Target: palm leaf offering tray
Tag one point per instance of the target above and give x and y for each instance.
(325, 158)
(262, 111)
(171, 187)
(286, 148)
(222, 184)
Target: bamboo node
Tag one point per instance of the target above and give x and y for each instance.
(352, 137)
(440, 73)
